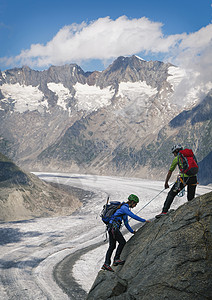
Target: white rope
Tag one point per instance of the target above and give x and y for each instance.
(152, 200)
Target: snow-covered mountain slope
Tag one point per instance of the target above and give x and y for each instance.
(23, 98)
(25, 90)
(64, 116)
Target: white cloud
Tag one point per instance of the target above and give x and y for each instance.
(194, 47)
(101, 39)
(105, 39)
(194, 53)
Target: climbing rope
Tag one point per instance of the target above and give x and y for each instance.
(152, 200)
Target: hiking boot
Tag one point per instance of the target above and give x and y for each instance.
(107, 268)
(118, 262)
(160, 215)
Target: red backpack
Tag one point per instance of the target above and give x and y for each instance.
(187, 162)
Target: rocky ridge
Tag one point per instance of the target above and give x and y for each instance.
(169, 258)
(24, 196)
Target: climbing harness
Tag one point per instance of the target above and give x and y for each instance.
(112, 227)
(181, 180)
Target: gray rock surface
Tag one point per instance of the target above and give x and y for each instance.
(24, 196)
(169, 258)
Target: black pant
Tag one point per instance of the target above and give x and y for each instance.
(191, 188)
(114, 236)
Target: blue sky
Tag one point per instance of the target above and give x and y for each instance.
(93, 33)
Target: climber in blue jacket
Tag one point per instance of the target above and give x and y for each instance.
(115, 234)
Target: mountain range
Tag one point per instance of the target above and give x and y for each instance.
(121, 121)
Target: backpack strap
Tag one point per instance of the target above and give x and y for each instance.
(178, 161)
(114, 220)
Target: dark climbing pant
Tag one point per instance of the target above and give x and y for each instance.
(114, 236)
(191, 183)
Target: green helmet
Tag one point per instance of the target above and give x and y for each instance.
(133, 198)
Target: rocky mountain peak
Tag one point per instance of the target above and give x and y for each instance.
(92, 77)
(134, 69)
(121, 64)
(68, 75)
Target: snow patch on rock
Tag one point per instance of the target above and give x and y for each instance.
(62, 92)
(91, 98)
(24, 97)
(133, 90)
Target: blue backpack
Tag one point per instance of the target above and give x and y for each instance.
(108, 210)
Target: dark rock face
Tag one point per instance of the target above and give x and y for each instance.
(9, 171)
(205, 171)
(200, 113)
(170, 258)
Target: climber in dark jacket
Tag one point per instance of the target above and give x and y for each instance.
(115, 234)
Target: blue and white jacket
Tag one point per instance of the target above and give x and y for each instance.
(122, 215)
